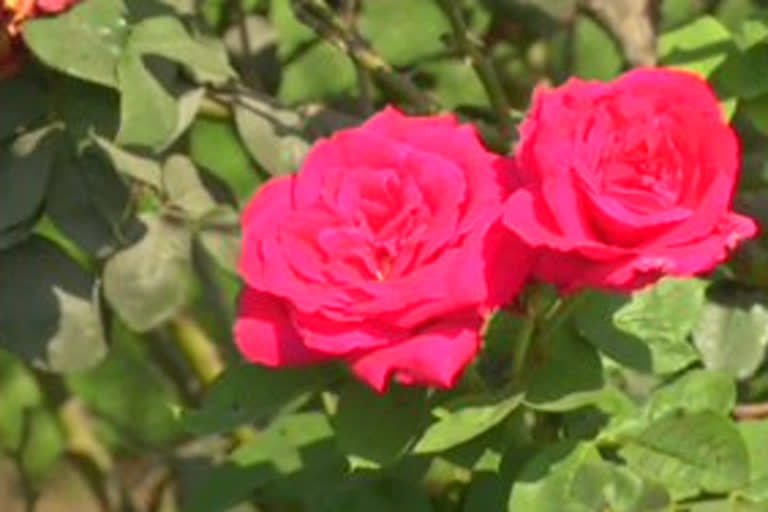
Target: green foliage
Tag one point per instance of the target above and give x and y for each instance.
(129, 143)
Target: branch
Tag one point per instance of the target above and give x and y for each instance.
(473, 49)
(326, 24)
(632, 23)
(751, 411)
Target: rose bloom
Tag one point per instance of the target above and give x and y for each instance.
(626, 181)
(384, 251)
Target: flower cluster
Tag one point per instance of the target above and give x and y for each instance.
(395, 240)
(13, 13)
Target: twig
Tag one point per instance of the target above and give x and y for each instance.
(327, 24)
(756, 411)
(349, 15)
(250, 75)
(631, 23)
(473, 49)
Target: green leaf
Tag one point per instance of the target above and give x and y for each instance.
(420, 28)
(148, 113)
(146, 283)
(695, 391)
(94, 32)
(756, 110)
(732, 332)
(736, 77)
(383, 495)
(570, 378)
(224, 246)
(545, 482)
(270, 133)
(456, 83)
(134, 166)
(57, 325)
(755, 435)
(312, 69)
(184, 187)
(603, 486)
(131, 395)
(590, 40)
(215, 146)
(27, 427)
(22, 100)
(650, 331)
(378, 428)
(248, 393)
(88, 202)
(690, 453)
(293, 445)
(699, 46)
(165, 36)
(462, 423)
(86, 108)
(24, 169)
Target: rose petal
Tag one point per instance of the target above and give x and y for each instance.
(264, 333)
(417, 358)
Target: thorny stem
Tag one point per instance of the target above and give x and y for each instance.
(327, 24)
(472, 48)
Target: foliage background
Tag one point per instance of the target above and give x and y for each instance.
(136, 131)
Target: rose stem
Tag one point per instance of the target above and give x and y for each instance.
(202, 356)
(320, 18)
(471, 47)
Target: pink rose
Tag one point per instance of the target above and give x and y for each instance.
(626, 181)
(378, 252)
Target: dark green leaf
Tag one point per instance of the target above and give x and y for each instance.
(292, 446)
(88, 202)
(378, 428)
(57, 325)
(384, 495)
(24, 169)
(570, 378)
(248, 393)
(22, 100)
(146, 283)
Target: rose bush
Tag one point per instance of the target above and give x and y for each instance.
(626, 181)
(384, 251)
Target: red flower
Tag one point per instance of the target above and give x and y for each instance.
(383, 251)
(626, 181)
